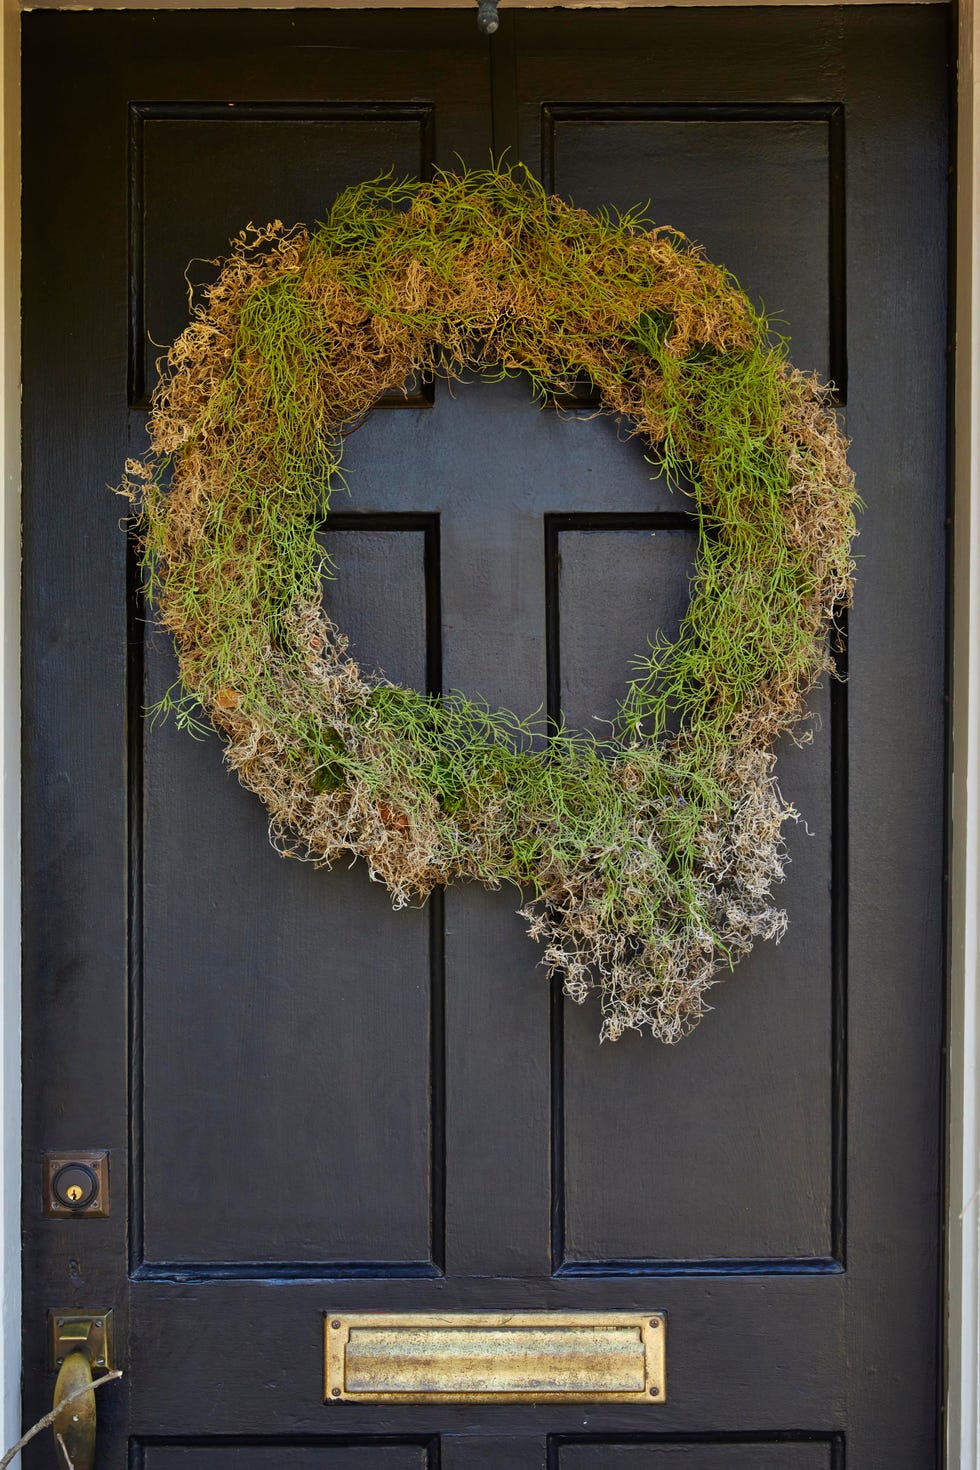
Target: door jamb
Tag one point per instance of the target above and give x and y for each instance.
(963, 1218)
(10, 1071)
(963, 1105)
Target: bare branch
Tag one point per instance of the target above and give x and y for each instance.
(49, 1419)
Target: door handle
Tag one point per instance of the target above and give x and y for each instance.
(75, 1425)
(81, 1348)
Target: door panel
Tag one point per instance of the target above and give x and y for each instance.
(323, 1457)
(697, 1457)
(248, 968)
(719, 168)
(758, 1180)
(315, 1104)
(268, 161)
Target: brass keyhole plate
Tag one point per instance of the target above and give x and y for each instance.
(81, 1332)
(75, 1170)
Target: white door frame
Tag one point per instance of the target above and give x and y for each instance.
(963, 1240)
(963, 1232)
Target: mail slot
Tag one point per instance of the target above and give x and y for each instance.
(465, 1357)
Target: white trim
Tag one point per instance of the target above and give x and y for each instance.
(963, 1404)
(10, 1363)
(963, 1263)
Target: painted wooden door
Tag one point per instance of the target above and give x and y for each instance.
(312, 1103)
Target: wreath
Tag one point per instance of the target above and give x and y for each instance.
(646, 859)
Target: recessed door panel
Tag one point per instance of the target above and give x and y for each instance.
(697, 1457)
(265, 162)
(269, 1136)
(716, 173)
(279, 1457)
(762, 1130)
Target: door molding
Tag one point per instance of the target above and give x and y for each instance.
(963, 1219)
(10, 727)
(963, 1224)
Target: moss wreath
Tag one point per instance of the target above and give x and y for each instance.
(646, 859)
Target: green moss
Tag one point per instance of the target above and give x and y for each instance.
(483, 271)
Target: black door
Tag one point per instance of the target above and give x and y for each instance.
(314, 1104)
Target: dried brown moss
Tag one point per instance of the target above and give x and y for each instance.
(647, 861)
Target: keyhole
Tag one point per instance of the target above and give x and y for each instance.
(75, 1186)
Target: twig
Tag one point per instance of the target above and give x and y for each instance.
(49, 1419)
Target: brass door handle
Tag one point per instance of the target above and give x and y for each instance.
(81, 1348)
(75, 1425)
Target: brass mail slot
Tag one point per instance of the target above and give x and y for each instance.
(496, 1357)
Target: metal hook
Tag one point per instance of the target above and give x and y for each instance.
(487, 17)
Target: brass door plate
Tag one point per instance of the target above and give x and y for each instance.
(81, 1332)
(86, 1173)
(495, 1357)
